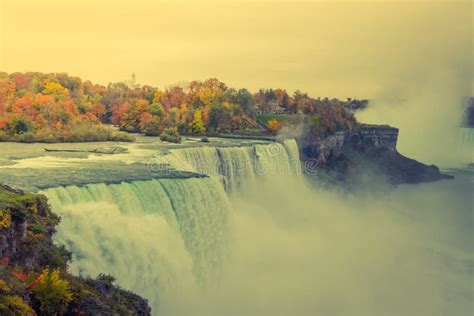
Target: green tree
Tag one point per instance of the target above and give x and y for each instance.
(245, 100)
(21, 126)
(157, 109)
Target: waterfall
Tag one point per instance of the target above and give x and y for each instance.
(235, 165)
(154, 235)
(144, 233)
(467, 136)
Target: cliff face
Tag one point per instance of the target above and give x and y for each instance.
(369, 150)
(33, 271)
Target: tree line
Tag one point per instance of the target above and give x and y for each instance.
(58, 107)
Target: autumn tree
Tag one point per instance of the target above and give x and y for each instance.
(58, 107)
(56, 90)
(52, 292)
(197, 125)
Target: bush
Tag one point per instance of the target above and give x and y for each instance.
(76, 132)
(274, 125)
(15, 305)
(171, 135)
(326, 120)
(51, 292)
(21, 126)
(38, 229)
(121, 137)
(5, 219)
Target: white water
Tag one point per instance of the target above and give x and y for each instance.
(254, 238)
(147, 232)
(234, 165)
(466, 136)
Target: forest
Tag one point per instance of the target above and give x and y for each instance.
(38, 107)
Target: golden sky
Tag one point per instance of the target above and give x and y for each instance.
(351, 48)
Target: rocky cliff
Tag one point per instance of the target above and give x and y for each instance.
(368, 150)
(33, 271)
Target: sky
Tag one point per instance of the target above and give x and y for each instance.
(334, 49)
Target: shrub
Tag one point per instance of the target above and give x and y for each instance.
(274, 125)
(51, 292)
(38, 228)
(21, 126)
(121, 137)
(14, 305)
(5, 219)
(171, 135)
(76, 132)
(326, 120)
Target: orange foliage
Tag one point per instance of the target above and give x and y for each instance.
(54, 105)
(119, 112)
(98, 110)
(274, 125)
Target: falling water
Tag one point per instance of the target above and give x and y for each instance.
(151, 234)
(467, 136)
(235, 165)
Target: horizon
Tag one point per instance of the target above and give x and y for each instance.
(316, 49)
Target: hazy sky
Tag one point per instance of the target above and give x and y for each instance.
(326, 48)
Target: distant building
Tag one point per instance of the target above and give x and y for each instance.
(279, 110)
(274, 109)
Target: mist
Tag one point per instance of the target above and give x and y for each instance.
(429, 114)
(424, 82)
(313, 251)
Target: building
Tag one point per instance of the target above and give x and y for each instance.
(279, 110)
(273, 108)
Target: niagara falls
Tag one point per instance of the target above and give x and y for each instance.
(236, 157)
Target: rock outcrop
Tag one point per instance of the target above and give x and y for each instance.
(367, 150)
(33, 271)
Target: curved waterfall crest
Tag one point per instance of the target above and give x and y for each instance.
(235, 165)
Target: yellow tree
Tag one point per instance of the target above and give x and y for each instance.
(197, 125)
(157, 96)
(52, 292)
(56, 90)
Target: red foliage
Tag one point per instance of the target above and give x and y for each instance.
(20, 275)
(145, 118)
(23, 107)
(98, 110)
(5, 261)
(119, 112)
(173, 98)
